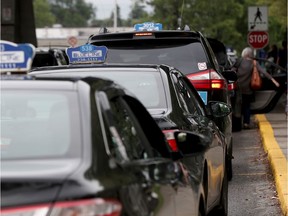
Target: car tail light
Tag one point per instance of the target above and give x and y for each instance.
(91, 207)
(231, 86)
(169, 134)
(208, 79)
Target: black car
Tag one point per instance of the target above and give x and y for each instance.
(266, 98)
(85, 146)
(189, 51)
(268, 95)
(49, 56)
(177, 108)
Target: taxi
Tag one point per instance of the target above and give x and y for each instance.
(189, 51)
(177, 108)
(84, 146)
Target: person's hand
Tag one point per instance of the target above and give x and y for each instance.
(275, 82)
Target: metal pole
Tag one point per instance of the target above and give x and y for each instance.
(115, 16)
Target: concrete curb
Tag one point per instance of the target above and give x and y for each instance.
(277, 160)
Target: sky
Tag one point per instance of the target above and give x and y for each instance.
(105, 7)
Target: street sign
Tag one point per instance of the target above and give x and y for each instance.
(258, 39)
(258, 18)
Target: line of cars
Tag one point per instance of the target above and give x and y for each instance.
(84, 144)
(103, 136)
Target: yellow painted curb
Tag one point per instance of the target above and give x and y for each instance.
(277, 161)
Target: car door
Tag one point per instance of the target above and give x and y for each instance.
(268, 96)
(186, 199)
(215, 155)
(154, 192)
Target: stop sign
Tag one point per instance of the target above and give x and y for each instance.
(258, 39)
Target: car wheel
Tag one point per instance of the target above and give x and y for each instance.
(236, 124)
(229, 167)
(222, 208)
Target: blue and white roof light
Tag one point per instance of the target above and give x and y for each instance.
(16, 57)
(148, 26)
(87, 54)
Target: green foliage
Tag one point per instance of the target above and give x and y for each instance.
(43, 15)
(226, 20)
(72, 13)
(137, 14)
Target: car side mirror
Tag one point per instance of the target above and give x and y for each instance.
(190, 142)
(230, 75)
(218, 109)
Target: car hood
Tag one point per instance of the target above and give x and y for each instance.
(31, 182)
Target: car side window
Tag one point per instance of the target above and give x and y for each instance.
(185, 96)
(124, 137)
(198, 105)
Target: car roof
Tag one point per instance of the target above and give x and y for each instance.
(60, 83)
(163, 34)
(120, 66)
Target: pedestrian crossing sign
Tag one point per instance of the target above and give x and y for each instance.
(258, 18)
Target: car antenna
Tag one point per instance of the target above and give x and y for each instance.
(103, 30)
(180, 18)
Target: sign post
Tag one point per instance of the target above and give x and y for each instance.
(258, 39)
(258, 36)
(258, 18)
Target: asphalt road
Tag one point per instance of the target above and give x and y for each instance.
(252, 190)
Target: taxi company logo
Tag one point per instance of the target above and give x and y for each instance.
(87, 54)
(16, 57)
(12, 57)
(78, 54)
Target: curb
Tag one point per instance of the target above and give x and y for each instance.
(277, 160)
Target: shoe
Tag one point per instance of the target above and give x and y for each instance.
(246, 126)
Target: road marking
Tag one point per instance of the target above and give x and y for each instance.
(277, 160)
(250, 174)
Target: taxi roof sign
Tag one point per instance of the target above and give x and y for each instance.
(148, 26)
(16, 57)
(87, 54)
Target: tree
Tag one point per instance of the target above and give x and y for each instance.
(43, 15)
(72, 13)
(210, 17)
(277, 20)
(137, 14)
(166, 12)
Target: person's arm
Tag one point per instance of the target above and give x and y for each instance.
(262, 71)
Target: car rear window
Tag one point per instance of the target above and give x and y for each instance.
(147, 86)
(188, 57)
(39, 124)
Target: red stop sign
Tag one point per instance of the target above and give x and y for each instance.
(258, 39)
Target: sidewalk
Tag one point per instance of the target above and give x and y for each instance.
(273, 130)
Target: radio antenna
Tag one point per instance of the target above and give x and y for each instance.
(181, 15)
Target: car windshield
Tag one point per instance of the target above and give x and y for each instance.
(187, 57)
(39, 124)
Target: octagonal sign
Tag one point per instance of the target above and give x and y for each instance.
(258, 39)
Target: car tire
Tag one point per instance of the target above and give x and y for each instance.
(229, 169)
(222, 209)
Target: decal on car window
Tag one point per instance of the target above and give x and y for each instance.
(202, 65)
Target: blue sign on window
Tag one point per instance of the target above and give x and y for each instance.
(203, 95)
